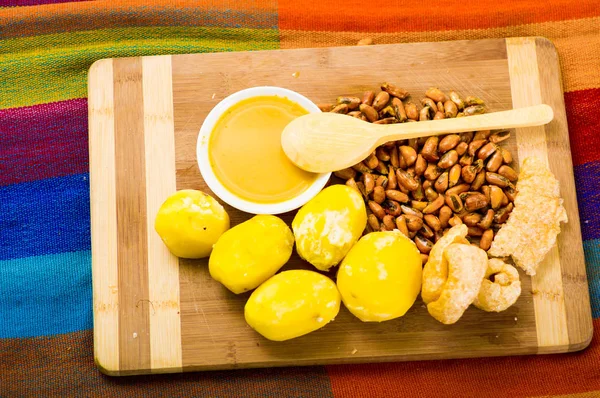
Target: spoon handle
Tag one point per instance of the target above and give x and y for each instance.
(536, 115)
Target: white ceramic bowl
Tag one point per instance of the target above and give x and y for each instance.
(208, 173)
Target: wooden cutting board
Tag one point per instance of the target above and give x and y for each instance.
(155, 313)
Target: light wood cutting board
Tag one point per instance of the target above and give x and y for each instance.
(155, 313)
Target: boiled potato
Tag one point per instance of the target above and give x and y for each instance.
(291, 304)
(380, 278)
(328, 225)
(189, 222)
(251, 252)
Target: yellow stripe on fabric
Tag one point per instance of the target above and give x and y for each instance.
(54, 67)
(577, 42)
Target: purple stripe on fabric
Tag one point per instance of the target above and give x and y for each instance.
(43, 141)
(22, 3)
(587, 177)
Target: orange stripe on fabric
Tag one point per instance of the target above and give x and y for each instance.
(507, 377)
(551, 30)
(577, 42)
(580, 61)
(589, 394)
(357, 15)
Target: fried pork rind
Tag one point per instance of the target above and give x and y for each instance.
(466, 268)
(435, 272)
(503, 291)
(533, 225)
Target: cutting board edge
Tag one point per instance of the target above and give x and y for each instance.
(584, 335)
(529, 351)
(573, 272)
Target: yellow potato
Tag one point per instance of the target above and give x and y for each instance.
(380, 278)
(189, 222)
(291, 304)
(328, 225)
(251, 252)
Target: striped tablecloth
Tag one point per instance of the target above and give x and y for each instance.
(46, 48)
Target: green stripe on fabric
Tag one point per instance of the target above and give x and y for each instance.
(52, 68)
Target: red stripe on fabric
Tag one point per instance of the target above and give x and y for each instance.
(43, 141)
(63, 366)
(507, 377)
(356, 15)
(584, 124)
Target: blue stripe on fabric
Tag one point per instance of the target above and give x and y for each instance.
(592, 262)
(46, 295)
(45, 217)
(587, 180)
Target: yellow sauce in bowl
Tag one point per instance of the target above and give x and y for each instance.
(245, 151)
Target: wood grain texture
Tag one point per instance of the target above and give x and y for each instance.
(214, 334)
(548, 294)
(103, 216)
(163, 267)
(572, 259)
(132, 238)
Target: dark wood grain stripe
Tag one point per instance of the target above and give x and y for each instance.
(132, 244)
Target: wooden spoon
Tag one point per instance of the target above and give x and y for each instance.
(324, 142)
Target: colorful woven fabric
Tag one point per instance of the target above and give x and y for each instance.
(46, 48)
